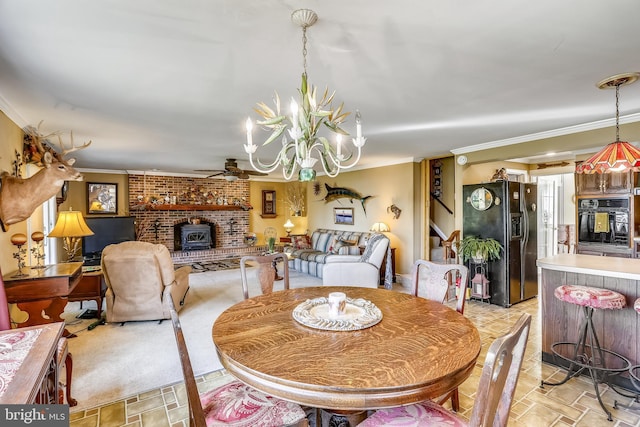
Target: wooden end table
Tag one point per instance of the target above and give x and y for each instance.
(43, 293)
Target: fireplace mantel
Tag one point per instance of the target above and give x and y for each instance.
(150, 207)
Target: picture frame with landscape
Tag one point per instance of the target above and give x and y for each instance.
(343, 216)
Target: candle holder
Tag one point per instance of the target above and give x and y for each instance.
(38, 250)
(19, 240)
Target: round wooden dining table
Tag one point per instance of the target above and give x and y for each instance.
(420, 350)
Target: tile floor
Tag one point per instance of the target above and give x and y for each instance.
(573, 404)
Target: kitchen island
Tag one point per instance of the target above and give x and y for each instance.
(616, 329)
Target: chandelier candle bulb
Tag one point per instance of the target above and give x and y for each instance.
(339, 146)
(249, 126)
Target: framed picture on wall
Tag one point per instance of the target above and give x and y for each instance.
(343, 216)
(102, 198)
(268, 203)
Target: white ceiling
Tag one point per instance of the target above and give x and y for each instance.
(168, 85)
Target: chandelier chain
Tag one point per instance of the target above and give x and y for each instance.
(304, 49)
(618, 112)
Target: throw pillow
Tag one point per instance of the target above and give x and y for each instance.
(341, 243)
(301, 242)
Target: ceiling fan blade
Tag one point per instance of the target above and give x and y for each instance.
(233, 169)
(243, 175)
(256, 173)
(216, 174)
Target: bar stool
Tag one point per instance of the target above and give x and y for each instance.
(634, 371)
(587, 353)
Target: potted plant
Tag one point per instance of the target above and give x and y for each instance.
(479, 249)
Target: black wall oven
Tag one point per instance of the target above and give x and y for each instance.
(604, 221)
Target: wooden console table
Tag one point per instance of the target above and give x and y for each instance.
(32, 375)
(43, 292)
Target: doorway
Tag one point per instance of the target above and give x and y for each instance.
(556, 207)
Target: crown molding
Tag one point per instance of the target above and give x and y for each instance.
(631, 118)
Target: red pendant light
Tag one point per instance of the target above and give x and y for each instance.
(617, 156)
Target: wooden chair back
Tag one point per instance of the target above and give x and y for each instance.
(439, 278)
(196, 413)
(266, 271)
(500, 376)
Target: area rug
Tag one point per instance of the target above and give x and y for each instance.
(111, 362)
(223, 264)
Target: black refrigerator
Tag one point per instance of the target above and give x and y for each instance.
(507, 212)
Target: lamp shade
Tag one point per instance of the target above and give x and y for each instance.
(617, 156)
(380, 227)
(288, 225)
(70, 224)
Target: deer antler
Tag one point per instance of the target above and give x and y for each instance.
(73, 147)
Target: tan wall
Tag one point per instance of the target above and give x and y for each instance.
(12, 136)
(77, 196)
(387, 185)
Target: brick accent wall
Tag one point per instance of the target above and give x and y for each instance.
(231, 226)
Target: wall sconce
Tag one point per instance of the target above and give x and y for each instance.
(288, 226)
(380, 227)
(71, 227)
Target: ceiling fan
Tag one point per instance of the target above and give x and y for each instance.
(231, 171)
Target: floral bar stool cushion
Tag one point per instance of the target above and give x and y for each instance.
(236, 404)
(420, 414)
(636, 306)
(590, 297)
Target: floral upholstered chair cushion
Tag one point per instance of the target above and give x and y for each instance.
(236, 404)
(416, 415)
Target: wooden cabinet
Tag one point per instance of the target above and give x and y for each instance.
(604, 183)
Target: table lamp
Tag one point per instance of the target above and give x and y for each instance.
(71, 227)
(380, 227)
(288, 226)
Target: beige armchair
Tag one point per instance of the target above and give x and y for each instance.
(140, 280)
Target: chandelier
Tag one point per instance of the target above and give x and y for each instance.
(304, 146)
(617, 156)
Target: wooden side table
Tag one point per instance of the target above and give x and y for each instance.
(383, 267)
(43, 293)
(91, 288)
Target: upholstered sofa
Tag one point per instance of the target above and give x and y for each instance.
(310, 254)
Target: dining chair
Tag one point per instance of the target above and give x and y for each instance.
(494, 396)
(438, 279)
(266, 272)
(234, 403)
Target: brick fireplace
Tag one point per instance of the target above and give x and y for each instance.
(151, 200)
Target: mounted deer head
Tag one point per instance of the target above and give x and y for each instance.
(20, 197)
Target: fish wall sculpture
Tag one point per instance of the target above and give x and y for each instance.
(336, 193)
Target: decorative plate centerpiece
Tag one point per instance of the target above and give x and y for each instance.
(359, 314)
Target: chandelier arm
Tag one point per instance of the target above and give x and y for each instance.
(337, 162)
(262, 167)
